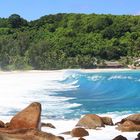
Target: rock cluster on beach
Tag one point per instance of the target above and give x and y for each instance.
(130, 123)
(92, 121)
(26, 125)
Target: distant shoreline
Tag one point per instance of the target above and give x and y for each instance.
(107, 70)
(81, 70)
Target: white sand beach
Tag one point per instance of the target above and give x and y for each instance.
(64, 70)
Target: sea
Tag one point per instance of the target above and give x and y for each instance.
(66, 95)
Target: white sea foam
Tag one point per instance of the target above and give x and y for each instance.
(107, 133)
(95, 78)
(18, 89)
(120, 77)
(138, 80)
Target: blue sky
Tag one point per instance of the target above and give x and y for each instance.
(33, 9)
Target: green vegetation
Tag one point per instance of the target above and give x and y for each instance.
(68, 41)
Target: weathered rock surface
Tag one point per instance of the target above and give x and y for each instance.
(120, 137)
(2, 125)
(27, 118)
(6, 125)
(47, 125)
(79, 132)
(25, 125)
(128, 126)
(28, 134)
(107, 120)
(90, 121)
(135, 118)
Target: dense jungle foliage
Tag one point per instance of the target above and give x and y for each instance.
(68, 41)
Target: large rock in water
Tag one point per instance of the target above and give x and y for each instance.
(135, 118)
(79, 132)
(28, 134)
(128, 126)
(107, 120)
(130, 123)
(25, 126)
(27, 118)
(90, 121)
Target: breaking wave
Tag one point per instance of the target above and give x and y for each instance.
(68, 94)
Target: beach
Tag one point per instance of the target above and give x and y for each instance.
(63, 99)
(107, 133)
(63, 70)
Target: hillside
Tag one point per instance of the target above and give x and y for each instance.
(68, 41)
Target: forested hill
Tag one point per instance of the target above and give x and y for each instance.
(68, 41)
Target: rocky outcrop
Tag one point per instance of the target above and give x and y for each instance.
(47, 125)
(2, 125)
(107, 120)
(135, 118)
(90, 121)
(120, 137)
(79, 132)
(25, 125)
(27, 118)
(28, 134)
(128, 126)
(6, 125)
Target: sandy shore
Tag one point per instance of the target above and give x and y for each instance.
(63, 70)
(106, 70)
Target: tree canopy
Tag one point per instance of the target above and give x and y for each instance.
(68, 41)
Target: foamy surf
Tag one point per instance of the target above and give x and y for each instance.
(67, 94)
(107, 133)
(18, 89)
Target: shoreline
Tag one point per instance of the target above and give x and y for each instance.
(24, 81)
(63, 125)
(107, 70)
(63, 70)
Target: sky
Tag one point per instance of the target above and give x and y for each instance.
(34, 9)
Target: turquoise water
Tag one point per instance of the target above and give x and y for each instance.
(102, 92)
(68, 94)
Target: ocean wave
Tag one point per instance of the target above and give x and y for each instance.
(20, 89)
(68, 94)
